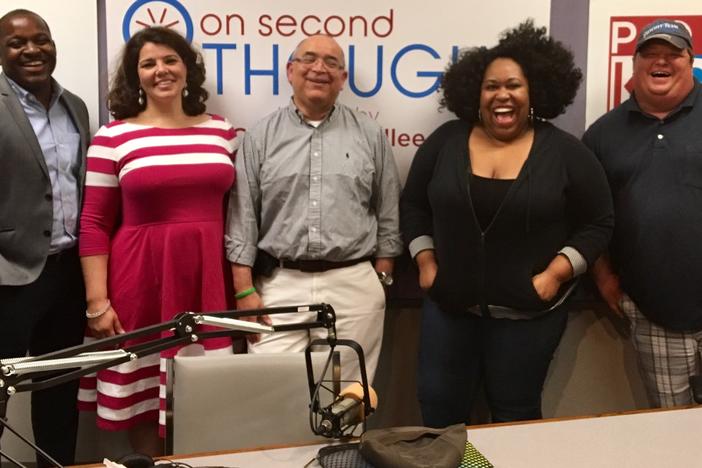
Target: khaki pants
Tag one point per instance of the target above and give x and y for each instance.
(355, 294)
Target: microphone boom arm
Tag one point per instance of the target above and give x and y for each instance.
(16, 374)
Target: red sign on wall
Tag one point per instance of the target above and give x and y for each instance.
(623, 32)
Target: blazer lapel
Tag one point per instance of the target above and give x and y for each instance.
(70, 102)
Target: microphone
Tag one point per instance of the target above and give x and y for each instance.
(346, 411)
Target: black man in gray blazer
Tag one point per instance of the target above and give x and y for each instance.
(44, 133)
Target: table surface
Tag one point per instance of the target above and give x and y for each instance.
(658, 438)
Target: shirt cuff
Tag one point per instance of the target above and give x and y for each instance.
(576, 259)
(242, 254)
(421, 243)
(389, 248)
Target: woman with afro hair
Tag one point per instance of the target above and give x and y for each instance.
(501, 211)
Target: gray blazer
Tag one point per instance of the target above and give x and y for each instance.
(26, 210)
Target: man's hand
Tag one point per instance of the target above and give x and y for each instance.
(612, 294)
(243, 280)
(253, 301)
(385, 265)
(608, 284)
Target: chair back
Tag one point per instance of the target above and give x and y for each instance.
(241, 400)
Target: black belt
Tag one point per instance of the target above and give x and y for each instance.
(318, 266)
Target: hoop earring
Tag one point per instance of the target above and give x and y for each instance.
(480, 116)
(185, 92)
(140, 100)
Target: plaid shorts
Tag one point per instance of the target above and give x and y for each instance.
(666, 358)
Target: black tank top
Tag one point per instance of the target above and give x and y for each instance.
(487, 195)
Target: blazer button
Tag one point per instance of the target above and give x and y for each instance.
(48, 197)
(47, 233)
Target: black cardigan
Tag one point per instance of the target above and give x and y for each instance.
(560, 198)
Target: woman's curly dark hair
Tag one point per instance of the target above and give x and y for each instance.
(547, 65)
(123, 99)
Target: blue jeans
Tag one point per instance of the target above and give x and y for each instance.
(510, 357)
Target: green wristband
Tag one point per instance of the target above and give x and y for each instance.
(245, 292)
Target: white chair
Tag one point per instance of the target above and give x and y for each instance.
(240, 401)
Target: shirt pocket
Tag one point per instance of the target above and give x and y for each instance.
(353, 168)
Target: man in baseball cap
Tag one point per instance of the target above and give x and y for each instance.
(650, 149)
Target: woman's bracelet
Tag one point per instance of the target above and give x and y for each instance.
(245, 292)
(100, 312)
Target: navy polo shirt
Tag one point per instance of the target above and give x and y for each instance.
(654, 168)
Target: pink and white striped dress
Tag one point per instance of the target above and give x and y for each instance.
(154, 202)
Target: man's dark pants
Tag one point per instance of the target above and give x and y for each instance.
(44, 316)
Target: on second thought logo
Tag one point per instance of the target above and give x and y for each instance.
(166, 13)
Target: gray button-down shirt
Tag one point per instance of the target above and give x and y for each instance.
(328, 192)
(60, 143)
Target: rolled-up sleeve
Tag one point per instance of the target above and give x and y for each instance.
(576, 259)
(244, 208)
(387, 200)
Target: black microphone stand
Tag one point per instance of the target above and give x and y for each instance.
(323, 421)
(62, 366)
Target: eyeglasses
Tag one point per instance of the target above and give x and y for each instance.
(332, 63)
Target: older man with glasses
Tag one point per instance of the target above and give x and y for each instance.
(314, 215)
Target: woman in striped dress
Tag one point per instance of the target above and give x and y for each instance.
(151, 239)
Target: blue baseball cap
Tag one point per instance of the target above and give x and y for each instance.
(670, 31)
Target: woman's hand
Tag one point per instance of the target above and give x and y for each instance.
(546, 285)
(95, 276)
(550, 280)
(105, 325)
(426, 261)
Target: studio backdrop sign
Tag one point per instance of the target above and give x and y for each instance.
(395, 52)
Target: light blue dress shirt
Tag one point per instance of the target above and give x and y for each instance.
(60, 143)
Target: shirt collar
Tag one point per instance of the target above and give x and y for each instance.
(292, 109)
(25, 96)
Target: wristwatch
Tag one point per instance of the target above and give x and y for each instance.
(385, 278)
